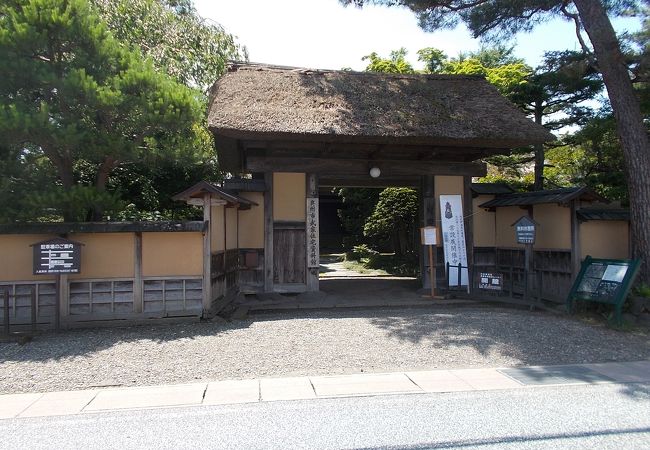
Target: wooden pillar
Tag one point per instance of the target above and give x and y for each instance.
(268, 232)
(312, 272)
(428, 219)
(207, 253)
(64, 298)
(468, 207)
(575, 241)
(138, 286)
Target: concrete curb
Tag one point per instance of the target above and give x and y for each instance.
(305, 388)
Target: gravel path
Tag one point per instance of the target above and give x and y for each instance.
(325, 342)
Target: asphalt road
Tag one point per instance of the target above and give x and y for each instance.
(593, 416)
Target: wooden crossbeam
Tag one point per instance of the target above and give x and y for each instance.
(360, 167)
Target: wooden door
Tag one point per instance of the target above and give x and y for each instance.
(289, 253)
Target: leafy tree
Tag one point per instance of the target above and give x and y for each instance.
(503, 18)
(194, 51)
(358, 205)
(395, 63)
(559, 85)
(496, 64)
(171, 33)
(24, 172)
(68, 89)
(394, 218)
(592, 156)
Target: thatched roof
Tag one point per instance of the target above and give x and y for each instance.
(255, 101)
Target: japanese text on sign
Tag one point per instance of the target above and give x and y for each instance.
(56, 256)
(491, 281)
(453, 238)
(525, 230)
(313, 259)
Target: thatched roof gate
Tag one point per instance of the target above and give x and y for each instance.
(335, 126)
(335, 123)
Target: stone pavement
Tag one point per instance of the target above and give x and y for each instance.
(305, 388)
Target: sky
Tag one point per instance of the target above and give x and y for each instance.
(323, 34)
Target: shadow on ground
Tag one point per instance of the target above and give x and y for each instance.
(79, 342)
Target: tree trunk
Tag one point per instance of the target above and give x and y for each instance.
(631, 130)
(403, 241)
(101, 179)
(539, 153)
(66, 175)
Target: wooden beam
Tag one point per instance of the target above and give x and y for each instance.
(360, 167)
(138, 284)
(365, 147)
(381, 182)
(268, 232)
(428, 219)
(207, 254)
(575, 241)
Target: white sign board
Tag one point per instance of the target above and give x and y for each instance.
(313, 257)
(453, 238)
(429, 236)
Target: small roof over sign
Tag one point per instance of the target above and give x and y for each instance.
(204, 187)
(491, 189)
(524, 221)
(57, 240)
(587, 214)
(560, 196)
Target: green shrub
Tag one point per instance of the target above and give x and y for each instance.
(642, 290)
(360, 252)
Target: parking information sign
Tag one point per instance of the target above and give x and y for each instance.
(57, 256)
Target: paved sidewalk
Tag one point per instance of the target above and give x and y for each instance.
(304, 388)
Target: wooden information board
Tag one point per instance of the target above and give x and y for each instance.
(56, 256)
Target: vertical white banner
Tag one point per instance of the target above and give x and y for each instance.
(453, 238)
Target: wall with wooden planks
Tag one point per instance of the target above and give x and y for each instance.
(232, 232)
(172, 254)
(447, 185)
(16, 261)
(106, 255)
(289, 197)
(504, 231)
(217, 229)
(554, 230)
(103, 255)
(484, 223)
(124, 276)
(251, 222)
(605, 239)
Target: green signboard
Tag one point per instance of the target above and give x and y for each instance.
(604, 281)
